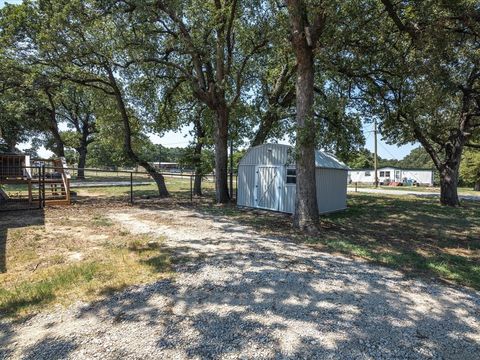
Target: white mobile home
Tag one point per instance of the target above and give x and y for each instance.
(392, 174)
(267, 180)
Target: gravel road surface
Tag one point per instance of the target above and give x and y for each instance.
(240, 295)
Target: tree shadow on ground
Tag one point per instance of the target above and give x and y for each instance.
(51, 349)
(240, 294)
(275, 299)
(418, 237)
(12, 220)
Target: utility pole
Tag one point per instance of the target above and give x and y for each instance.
(375, 165)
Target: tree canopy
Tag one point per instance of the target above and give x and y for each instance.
(80, 75)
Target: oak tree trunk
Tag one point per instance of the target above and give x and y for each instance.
(266, 125)
(82, 150)
(304, 38)
(197, 163)
(82, 159)
(281, 96)
(448, 168)
(449, 172)
(157, 177)
(59, 147)
(197, 184)
(221, 155)
(12, 145)
(448, 187)
(53, 126)
(306, 209)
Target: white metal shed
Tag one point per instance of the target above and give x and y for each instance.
(267, 180)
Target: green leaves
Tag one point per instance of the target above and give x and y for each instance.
(470, 167)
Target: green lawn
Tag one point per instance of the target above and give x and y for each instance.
(99, 175)
(178, 187)
(411, 234)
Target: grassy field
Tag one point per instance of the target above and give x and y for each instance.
(411, 234)
(176, 184)
(65, 254)
(178, 187)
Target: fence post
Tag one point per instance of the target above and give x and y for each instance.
(131, 188)
(43, 185)
(39, 187)
(356, 184)
(191, 188)
(236, 186)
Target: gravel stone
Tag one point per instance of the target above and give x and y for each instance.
(238, 294)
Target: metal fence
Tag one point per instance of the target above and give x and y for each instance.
(42, 186)
(22, 188)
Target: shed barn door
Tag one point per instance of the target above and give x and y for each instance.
(266, 187)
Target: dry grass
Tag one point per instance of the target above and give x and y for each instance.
(72, 253)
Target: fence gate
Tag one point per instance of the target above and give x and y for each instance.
(21, 187)
(267, 182)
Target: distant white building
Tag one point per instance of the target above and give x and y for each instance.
(165, 165)
(392, 174)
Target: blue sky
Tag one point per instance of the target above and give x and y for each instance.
(2, 2)
(182, 138)
(386, 151)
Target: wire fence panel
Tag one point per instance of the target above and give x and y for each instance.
(43, 186)
(22, 187)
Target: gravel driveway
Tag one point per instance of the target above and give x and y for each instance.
(238, 294)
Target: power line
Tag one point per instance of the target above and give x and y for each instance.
(388, 151)
(368, 136)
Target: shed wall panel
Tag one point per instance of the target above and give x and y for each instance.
(331, 189)
(289, 195)
(246, 188)
(270, 154)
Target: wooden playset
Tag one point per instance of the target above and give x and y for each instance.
(49, 177)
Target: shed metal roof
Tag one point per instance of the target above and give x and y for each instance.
(279, 154)
(327, 160)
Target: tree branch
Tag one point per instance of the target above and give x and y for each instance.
(392, 13)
